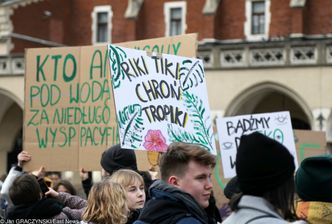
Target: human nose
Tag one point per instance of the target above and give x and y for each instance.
(208, 184)
(140, 192)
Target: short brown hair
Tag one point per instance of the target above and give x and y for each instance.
(25, 190)
(178, 156)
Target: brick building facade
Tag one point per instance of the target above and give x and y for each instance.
(259, 55)
(69, 22)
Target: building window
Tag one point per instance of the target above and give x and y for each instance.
(101, 24)
(175, 18)
(102, 27)
(257, 19)
(175, 21)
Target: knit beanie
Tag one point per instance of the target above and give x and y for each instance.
(262, 164)
(116, 158)
(313, 179)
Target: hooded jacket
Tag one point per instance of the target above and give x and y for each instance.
(64, 206)
(170, 205)
(253, 209)
(45, 208)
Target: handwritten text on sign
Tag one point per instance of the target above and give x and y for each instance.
(160, 99)
(230, 129)
(64, 106)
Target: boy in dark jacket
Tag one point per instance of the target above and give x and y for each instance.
(30, 203)
(185, 189)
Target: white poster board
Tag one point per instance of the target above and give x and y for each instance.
(277, 126)
(160, 99)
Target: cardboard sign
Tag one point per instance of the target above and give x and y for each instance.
(160, 99)
(277, 126)
(183, 45)
(69, 116)
(69, 110)
(309, 143)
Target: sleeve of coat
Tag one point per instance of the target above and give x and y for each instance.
(74, 205)
(12, 175)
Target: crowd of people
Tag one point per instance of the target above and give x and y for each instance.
(267, 189)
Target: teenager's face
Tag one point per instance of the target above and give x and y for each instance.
(197, 182)
(54, 177)
(135, 195)
(62, 188)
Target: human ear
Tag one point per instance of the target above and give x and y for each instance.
(173, 180)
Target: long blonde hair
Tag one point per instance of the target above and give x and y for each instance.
(107, 203)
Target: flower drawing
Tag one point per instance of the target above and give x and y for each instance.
(155, 141)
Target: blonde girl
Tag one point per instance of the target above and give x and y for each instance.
(133, 184)
(107, 203)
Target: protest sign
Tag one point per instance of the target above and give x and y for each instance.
(277, 126)
(68, 107)
(160, 99)
(183, 45)
(69, 116)
(309, 143)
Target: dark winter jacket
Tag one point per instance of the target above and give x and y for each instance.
(170, 205)
(43, 209)
(133, 216)
(65, 206)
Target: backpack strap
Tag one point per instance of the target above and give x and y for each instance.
(264, 215)
(259, 217)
